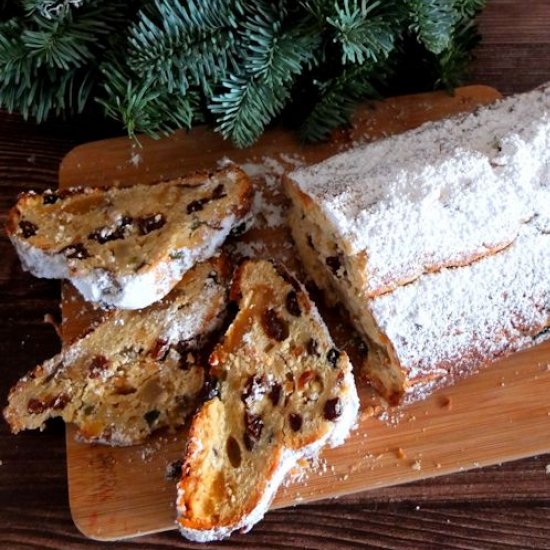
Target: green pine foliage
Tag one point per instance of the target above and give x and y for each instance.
(240, 65)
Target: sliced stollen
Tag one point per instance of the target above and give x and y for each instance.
(134, 372)
(283, 391)
(128, 247)
(415, 221)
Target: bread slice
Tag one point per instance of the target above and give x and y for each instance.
(133, 373)
(283, 391)
(128, 247)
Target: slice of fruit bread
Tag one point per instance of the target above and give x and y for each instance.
(283, 392)
(135, 372)
(128, 247)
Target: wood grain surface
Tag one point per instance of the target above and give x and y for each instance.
(491, 508)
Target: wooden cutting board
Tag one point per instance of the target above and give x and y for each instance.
(501, 414)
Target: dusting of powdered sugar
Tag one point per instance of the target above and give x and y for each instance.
(452, 321)
(441, 195)
(269, 208)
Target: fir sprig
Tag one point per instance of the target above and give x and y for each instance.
(160, 65)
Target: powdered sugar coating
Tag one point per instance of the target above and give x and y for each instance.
(441, 195)
(453, 321)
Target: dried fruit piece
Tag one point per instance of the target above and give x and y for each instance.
(295, 420)
(173, 470)
(28, 228)
(233, 452)
(275, 393)
(334, 263)
(160, 350)
(332, 356)
(274, 326)
(105, 234)
(152, 222)
(151, 416)
(253, 425)
(76, 251)
(50, 197)
(306, 377)
(312, 347)
(253, 390)
(219, 192)
(210, 389)
(36, 406)
(332, 409)
(196, 205)
(97, 367)
(60, 402)
(292, 305)
(238, 230)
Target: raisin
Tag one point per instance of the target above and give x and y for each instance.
(295, 420)
(60, 402)
(76, 251)
(97, 366)
(105, 234)
(274, 326)
(292, 305)
(253, 425)
(149, 223)
(196, 205)
(333, 409)
(213, 276)
(219, 192)
(188, 357)
(275, 393)
(238, 230)
(210, 389)
(313, 347)
(254, 389)
(173, 470)
(233, 452)
(28, 228)
(36, 406)
(50, 197)
(334, 263)
(151, 416)
(160, 350)
(332, 356)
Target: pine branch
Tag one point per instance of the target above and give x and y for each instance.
(272, 60)
(46, 64)
(365, 29)
(184, 45)
(146, 106)
(452, 64)
(339, 98)
(166, 64)
(433, 21)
